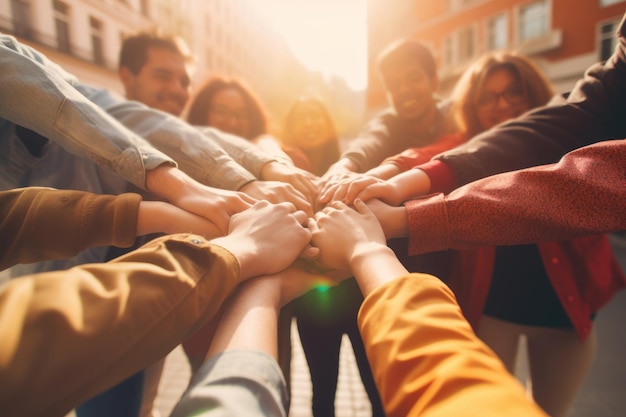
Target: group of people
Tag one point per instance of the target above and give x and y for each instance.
(254, 221)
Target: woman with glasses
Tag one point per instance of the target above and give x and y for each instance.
(544, 291)
(229, 105)
(510, 292)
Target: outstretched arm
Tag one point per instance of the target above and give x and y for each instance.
(592, 112)
(131, 311)
(576, 197)
(240, 376)
(424, 356)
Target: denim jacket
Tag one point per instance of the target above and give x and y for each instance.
(94, 150)
(30, 81)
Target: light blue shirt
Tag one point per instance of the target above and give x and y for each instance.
(234, 384)
(98, 140)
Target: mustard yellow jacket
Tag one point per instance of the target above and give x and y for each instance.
(68, 335)
(427, 361)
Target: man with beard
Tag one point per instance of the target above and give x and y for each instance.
(155, 70)
(415, 118)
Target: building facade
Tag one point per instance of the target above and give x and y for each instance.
(227, 37)
(563, 37)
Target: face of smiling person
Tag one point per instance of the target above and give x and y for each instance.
(162, 83)
(229, 113)
(502, 98)
(410, 90)
(310, 127)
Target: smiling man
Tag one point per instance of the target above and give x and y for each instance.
(156, 70)
(415, 118)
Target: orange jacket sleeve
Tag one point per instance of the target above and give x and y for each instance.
(427, 361)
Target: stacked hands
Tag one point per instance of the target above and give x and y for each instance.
(309, 227)
(283, 244)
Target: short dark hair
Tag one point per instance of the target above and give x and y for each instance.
(134, 51)
(403, 51)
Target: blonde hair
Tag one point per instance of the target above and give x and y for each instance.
(535, 85)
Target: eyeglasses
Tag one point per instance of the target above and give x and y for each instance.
(226, 113)
(489, 100)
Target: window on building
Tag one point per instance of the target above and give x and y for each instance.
(95, 27)
(533, 20)
(607, 39)
(605, 3)
(497, 33)
(144, 7)
(466, 43)
(62, 24)
(21, 18)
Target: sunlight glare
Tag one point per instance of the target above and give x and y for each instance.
(326, 35)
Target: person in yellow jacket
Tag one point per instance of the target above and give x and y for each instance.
(424, 356)
(68, 335)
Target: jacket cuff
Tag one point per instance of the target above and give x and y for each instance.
(429, 228)
(442, 179)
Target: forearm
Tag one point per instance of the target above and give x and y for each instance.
(591, 113)
(343, 165)
(195, 153)
(411, 183)
(40, 224)
(250, 320)
(126, 313)
(375, 265)
(427, 361)
(384, 171)
(259, 391)
(240, 375)
(245, 153)
(65, 116)
(574, 198)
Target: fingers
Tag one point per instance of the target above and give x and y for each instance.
(361, 207)
(330, 187)
(301, 217)
(309, 253)
(312, 225)
(249, 200)
(307, 187)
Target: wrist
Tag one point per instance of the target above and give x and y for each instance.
(150, 216)
(375, 266)
(167, 182)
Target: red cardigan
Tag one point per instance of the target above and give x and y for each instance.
(583, 272)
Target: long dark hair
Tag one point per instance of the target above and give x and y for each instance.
(199, 104)
(329, 152)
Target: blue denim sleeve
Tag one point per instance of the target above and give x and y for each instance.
(236, 383)
(39, 95)
(199, 155)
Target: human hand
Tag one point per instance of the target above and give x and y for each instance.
(299, 279)
(250, 318)
(392, 219)
(162, 217)
(341, 167)
(347, 189)
(178, 188)
(266, 238)
(277, 192)
(303, 181)
(343, 234)
(334, 182)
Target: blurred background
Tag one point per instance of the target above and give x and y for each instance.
(285, 48)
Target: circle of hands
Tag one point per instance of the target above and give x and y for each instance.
(306, 228)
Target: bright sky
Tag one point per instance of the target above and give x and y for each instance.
(326, 35)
